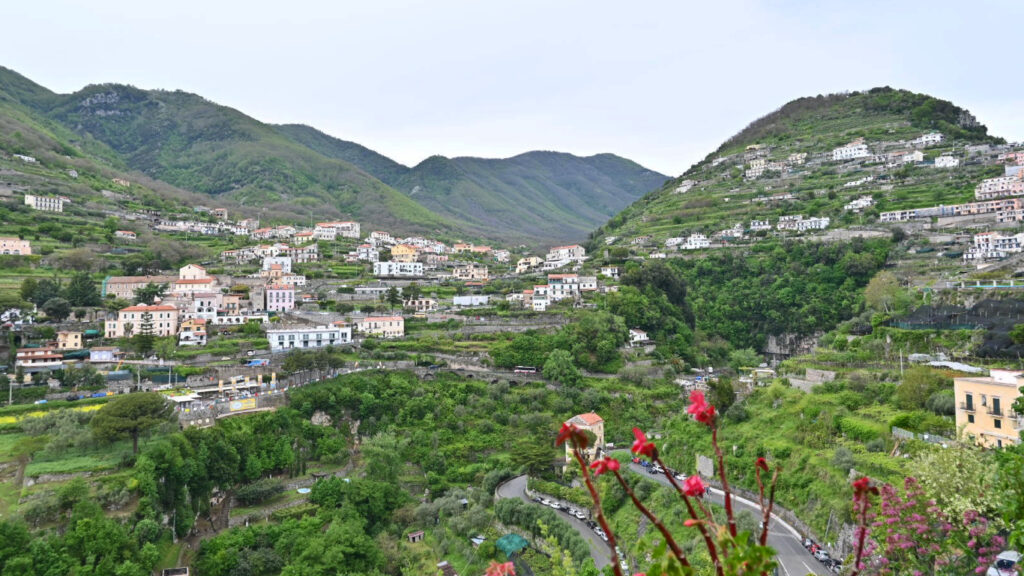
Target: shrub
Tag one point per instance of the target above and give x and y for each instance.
(259, 491)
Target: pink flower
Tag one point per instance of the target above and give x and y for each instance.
(642, 446)
(699, 408)
(506, 569)
(693, 486)
(604, 465)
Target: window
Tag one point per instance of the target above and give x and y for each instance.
(997, 423)
(970, 418)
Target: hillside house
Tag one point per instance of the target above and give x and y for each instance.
(382, 326)
(637, 337)
(984, 408)
(192, 332)
(278, 298)
(300, 336)
(69, 340)
(125, 235)
(45, 203)
(524, 265)
(33, 360)
(947, 162)
(610, 272)
(471, 272)
(852, 151)
(929, 139)
(420, 304)
(131, 320)
(588, 422)
(398, 269)
(15, 246)
(404, 253)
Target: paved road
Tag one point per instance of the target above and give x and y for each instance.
(516, 488)
(794, 559)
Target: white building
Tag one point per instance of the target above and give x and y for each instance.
(45, 203)
(396, 269)
(573, 253)
(471, 300)
(759, 225)
(947, 162)
(928, 139)
(287, 338)
(999, 187)
(812, 224)
(695, 242)
(421, 304)
(993, 245)
(860, 204)
(367, 253)
(637, 337)
(471, 272)
(852, 151)
(284, 261)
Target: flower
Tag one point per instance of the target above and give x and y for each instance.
(862, 486)
(693, 486)
(642, 446)
(506, 569)
(762, 464)
(571, 432)
(604, 465)
(700, 409)
(691, 522)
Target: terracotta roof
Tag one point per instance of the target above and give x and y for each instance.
(588, 419)
(195, 281)
(145, 308)
(564, 247)
(555, 276)
(280, 287)
(194, 266)
(382, 318)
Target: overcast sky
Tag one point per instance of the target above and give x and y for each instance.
(662, 83)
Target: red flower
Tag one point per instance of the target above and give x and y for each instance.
(690, 522)
(693, 486)
(862, 486)
(506, 569)
(700, 409)
(604, 465)
(762, 464)
(571, 432)
(642, 446)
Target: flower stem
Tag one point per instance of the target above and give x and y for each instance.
(708, 542)
(680, 556)
(600, 511)
(725, 482)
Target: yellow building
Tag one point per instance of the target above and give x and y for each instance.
(403, 253)
(592, 423)
(984, 407)
(67, 340)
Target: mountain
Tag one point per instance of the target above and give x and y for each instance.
(722, 191)
(292, 173)
(547, 196)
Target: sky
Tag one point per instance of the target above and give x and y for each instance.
(660, 82)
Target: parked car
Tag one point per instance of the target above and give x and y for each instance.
(580, 515)
(624, 565)
(821, 555)
(680, 477)
(807, 543)
(555, 505)
(1005, 565)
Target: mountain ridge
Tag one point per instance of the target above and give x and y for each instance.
(289, 172)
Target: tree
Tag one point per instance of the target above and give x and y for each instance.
(165, 347)
(561, 368)
(744, 358)
(28, 289)
(129, 416)
(143, 343)
(57, 308)
(149, 293)
(882, 291)
(46, 289)
(722, 394)
(412, 291)
(1017, 334)
(392, 297)
(81, 259)
(82, 291)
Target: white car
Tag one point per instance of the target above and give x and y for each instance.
(680, 477)
(1005, 564)
(580, 515)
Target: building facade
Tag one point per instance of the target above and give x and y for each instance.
(290, 337)
(984, 408)
(15, 246)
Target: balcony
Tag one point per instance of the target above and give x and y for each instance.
(967, 407)
(994, 411)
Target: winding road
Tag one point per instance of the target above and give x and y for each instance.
(516, 488)
(793, 558)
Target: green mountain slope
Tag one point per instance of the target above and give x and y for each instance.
(722, 195)
(534, 198)
(384, 168)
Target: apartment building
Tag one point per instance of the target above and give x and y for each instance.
(289, 337)
(984, 407)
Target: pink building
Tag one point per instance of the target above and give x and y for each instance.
(279, 297)
(16, 246)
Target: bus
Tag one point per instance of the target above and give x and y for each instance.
(525, 370)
